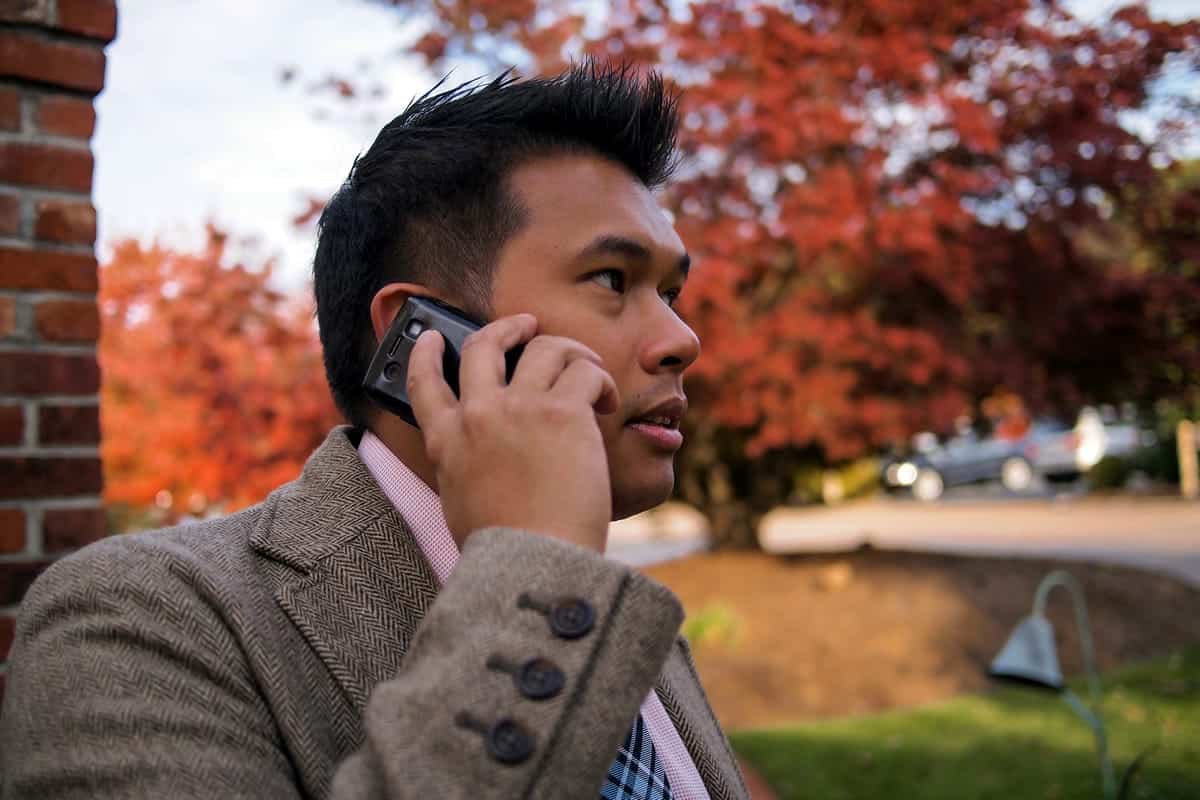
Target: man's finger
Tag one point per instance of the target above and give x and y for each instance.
(545, 358)
(428, 392)
(584, 381)
(482, 369)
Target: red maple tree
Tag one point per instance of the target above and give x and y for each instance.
(213, 392)
(888, 202)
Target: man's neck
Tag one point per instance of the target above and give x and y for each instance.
(407, 444)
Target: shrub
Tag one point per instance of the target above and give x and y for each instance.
(1109, 472)
(715, 624)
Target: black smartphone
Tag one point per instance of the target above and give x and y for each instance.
(386, 380)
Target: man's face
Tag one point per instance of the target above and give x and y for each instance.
(598, 261)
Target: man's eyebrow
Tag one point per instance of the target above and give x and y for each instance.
(629, 248)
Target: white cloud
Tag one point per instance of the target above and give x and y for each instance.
(194, 122)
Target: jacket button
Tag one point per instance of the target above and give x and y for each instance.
(571, 618)
(540, 679)
(508, 742)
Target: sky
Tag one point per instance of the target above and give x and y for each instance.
(194, 122)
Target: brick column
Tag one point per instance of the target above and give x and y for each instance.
(51, 68)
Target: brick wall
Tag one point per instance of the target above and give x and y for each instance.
(51, 68)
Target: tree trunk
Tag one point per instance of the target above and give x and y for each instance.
(733, 491)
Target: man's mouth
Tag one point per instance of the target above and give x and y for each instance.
(661, 421)
(659, 424)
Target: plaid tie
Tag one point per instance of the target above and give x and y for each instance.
(636, 774)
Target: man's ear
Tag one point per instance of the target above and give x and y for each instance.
(386, 304)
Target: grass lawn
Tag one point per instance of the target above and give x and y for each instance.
(1008, 744)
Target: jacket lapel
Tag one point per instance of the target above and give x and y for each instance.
(681, 694)
(359, 584)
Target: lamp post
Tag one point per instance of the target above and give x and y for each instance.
(1030, 657)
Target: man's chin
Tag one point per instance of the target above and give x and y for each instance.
(630, 500)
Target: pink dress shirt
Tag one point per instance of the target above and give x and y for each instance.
(421, 509)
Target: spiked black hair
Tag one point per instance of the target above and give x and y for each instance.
(428, 202)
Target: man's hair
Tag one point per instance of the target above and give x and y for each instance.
(429, 202)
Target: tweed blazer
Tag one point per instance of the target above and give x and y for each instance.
(301, 649)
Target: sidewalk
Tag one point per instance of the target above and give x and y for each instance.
(1158, 533)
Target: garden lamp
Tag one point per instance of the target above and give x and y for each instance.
(1030, 657)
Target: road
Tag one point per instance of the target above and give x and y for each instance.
(1157, 533)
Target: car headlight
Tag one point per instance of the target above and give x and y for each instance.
(906, 474)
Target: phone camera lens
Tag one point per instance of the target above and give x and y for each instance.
(413, 329)
(393, 372)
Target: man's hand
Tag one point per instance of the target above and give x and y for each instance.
(524, 455)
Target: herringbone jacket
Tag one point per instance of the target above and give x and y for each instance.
(300, 649)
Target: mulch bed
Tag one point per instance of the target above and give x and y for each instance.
(824, 636)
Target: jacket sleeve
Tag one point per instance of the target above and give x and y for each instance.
(523, 679)
(126, 681)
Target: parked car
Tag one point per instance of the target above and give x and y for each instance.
(963, 459)
(1049, 448)
(1100, 436)
(1052, 448)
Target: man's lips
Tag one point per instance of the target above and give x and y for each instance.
(662, 438)
(668, 412)
(658, 424)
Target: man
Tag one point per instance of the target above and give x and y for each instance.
(424, 613)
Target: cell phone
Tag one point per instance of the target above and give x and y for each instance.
(387, 377)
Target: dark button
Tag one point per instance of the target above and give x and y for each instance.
(508, 742)
(571, 618)
(540, 679)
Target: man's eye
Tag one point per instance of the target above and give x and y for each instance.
(614, 279)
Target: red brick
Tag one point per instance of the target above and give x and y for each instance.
(68, 320)
(7, 627)
(69, 424)
(52, 476)
(8, 316)
(67, 116)
(44, 269)
(62, 222)
(16, 578)
(54, 373)
(12, 530)
(10, 109)
(37, 11)
(94, 18)
(12, 425)
(38, 58)
(47, 166)
(72, 528)
(10, 215)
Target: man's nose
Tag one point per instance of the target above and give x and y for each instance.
(671, 345)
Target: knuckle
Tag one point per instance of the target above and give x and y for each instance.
(567, 349)
(542, 344)
(472, 340)
(476, 416)
(563, 343)
(557, 411)
(508, 401)
(435, 446)
(584, 368)
(512, 406)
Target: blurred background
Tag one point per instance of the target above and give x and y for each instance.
(948, 286)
